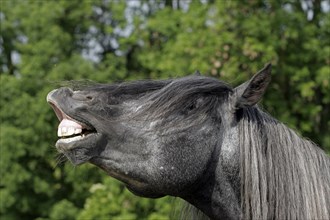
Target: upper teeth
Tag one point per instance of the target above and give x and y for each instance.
(68, 131)
(68, 127)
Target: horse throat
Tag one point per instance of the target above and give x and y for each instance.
(218, 195)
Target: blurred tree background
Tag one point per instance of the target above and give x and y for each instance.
(44, 42)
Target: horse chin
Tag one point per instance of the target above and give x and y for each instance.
(144, 193)
(79, 149)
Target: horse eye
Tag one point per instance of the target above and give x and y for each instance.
(191, 107)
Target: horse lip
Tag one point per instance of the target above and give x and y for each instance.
(54, 105)
(60, 114)
(63, 145)
(50, 94)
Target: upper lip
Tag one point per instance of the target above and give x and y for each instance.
(59, 113)
(62, 115)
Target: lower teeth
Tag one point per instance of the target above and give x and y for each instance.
(71, 136)
(71, 139)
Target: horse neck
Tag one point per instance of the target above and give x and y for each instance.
(219, 193)
(282, 175)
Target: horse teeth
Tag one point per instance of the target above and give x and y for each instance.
(68, 140)
(77, 131)
(68, 131)
(61, 131)
(68, 127)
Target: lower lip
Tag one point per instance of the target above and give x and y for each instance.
(67, 144)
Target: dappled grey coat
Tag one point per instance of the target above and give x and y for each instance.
(199, 139)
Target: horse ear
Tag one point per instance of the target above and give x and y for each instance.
(197, 73)
(250, 92)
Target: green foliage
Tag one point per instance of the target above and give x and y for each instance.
(111, 198)
(43, 43)
(64, 209)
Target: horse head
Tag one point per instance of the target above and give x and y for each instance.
(175, 137)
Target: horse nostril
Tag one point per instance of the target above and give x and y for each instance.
(66, 90)
(89, 97)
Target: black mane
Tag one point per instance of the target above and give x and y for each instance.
(182, 95)
(124, 88)
(162, 98)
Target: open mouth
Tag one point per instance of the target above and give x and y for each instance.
(69, 129)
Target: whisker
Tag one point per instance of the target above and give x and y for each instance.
(61, 158)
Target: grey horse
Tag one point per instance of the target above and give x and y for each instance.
(199, 139)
